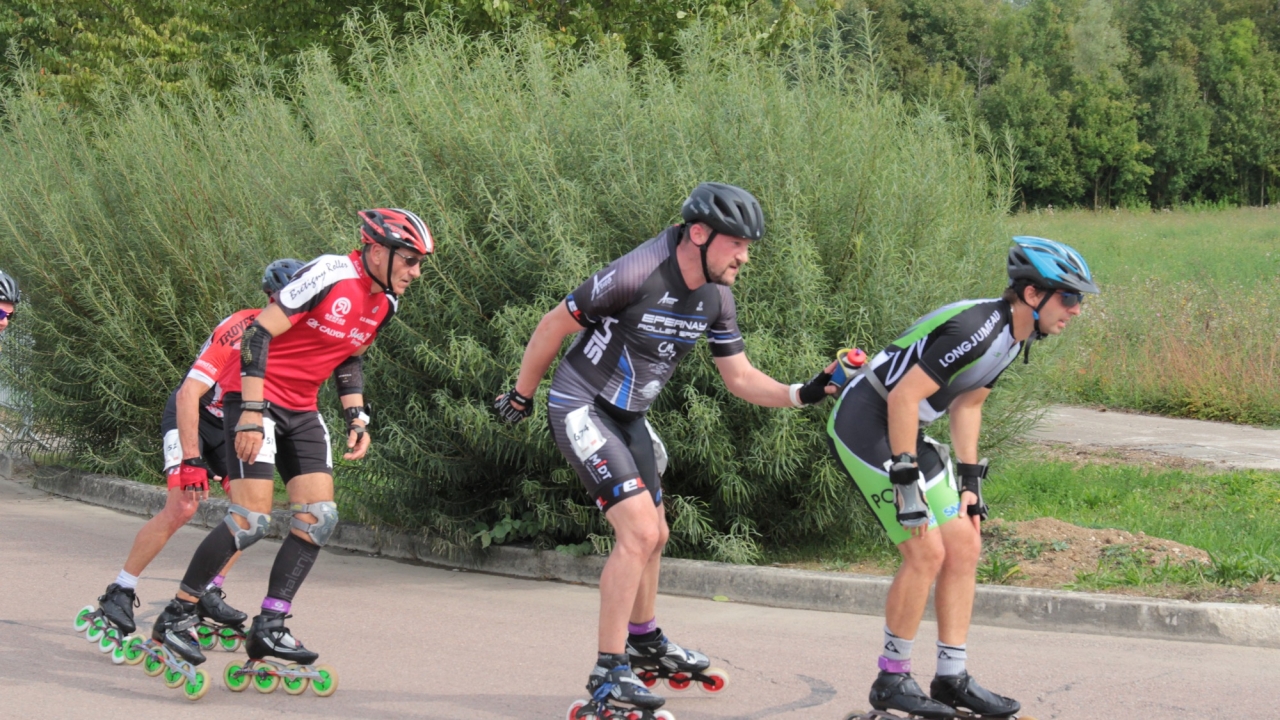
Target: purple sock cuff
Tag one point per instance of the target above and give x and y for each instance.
(274, 605)
(217, 581)
(895, 666)
(642, 628)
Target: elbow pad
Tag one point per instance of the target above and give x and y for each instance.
(349, 376)
(253, 351)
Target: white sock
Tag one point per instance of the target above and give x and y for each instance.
(125, 580)
(951, 659)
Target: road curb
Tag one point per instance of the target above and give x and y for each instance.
(1000, 606)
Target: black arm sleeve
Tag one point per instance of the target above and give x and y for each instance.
(253, 351)
(349, 376)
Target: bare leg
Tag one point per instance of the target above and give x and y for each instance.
(153, 536)
(638, 527)
(647, 594)
(956, 581)
(922, 558)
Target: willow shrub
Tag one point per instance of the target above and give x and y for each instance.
(135, 230)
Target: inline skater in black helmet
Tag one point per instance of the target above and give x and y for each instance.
(635, 320)
(944, 364)
(9, 299)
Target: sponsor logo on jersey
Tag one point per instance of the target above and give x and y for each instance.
(311, 279)
(359, 338)
(667, 350)
(331, 332)
(699, 308)
(599, 341)
(667, 299)
(574, 311)
(973, 341)
(338, 311)
(673, 326)
(650, 390)
(600, 285)
(659, 368)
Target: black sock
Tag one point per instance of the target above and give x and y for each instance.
(212, 555)
(609, 661)
(293, 562)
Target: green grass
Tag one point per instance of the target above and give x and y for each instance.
(1234, 516)
(1218, 246)
(1186, 322)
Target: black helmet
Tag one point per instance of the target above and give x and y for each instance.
(9, 289)
(729, 210)
(278, 274)
(1049, 265)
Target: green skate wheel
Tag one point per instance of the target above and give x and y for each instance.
(327, 683)
(229, 639)
(154, 664)
(204, 634)
(107, 642)
(117, 655)
(266, 681)
(84, 618)
(293, 684)
(95, 631)
(133, 652)
(234, 678)
(173, 678)
(195, 689)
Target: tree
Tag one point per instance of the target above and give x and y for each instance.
(1175, 123)
(1108, 152)
(1022, 103)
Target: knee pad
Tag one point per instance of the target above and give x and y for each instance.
(326, 514)
(258, 525)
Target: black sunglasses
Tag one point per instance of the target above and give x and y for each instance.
(409, 260)
(1070, 299)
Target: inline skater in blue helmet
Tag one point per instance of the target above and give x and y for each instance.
(946, 363)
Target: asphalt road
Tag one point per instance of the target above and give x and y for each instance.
(418, 642)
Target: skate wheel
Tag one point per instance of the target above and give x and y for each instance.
(117, 655)
(327, 684)
(206, 638)
(195, 689)
(173, 677)
(679, 682)
(107, 642)
(719, 679)
(265, 681)
(229, 639)
(95, 631)
(154, 664)
(577, 707)
(648, 677)
(663, 715)
(234, 678)
(292, 684)
(133, 652)
(84, 618)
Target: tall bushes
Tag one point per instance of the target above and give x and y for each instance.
(135, 229)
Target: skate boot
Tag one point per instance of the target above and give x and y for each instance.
(963, 692)
(899, 691)
(220, 624)
(655, 658)
(618, 684)
(269, 636)
(109, 624)
(174, 650)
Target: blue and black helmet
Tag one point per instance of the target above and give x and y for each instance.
(278, 274)
(1050, 265)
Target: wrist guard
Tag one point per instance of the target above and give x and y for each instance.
(507, 412)
(258, 406)
(357, 419)
(971, 476)
(348, 377)
(908, 493)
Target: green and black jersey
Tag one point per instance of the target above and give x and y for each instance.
(962, 346)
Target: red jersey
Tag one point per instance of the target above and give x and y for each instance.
(335, 309)
(218, 364)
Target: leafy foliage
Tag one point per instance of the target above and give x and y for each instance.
(135, 228)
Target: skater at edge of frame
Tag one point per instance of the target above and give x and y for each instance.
(635, 320)
(9, 299)
(193, 440)
(945, 363)
(322, 323)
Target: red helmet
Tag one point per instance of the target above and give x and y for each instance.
(396, 228)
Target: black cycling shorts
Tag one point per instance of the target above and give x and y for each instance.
(616, 457)
(212, 438)
(295, 443)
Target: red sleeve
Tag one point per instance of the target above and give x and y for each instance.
(221, 352)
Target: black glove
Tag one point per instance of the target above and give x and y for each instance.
(814, 391)
(507, 412)
(971, 481)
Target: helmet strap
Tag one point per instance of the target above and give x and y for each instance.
(1037, 334)
(364, 260)
(706, 273)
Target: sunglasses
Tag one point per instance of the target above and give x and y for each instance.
(409, 260)
(1070, 299)
(4, 314)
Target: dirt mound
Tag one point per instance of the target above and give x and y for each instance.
(1049, 552)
